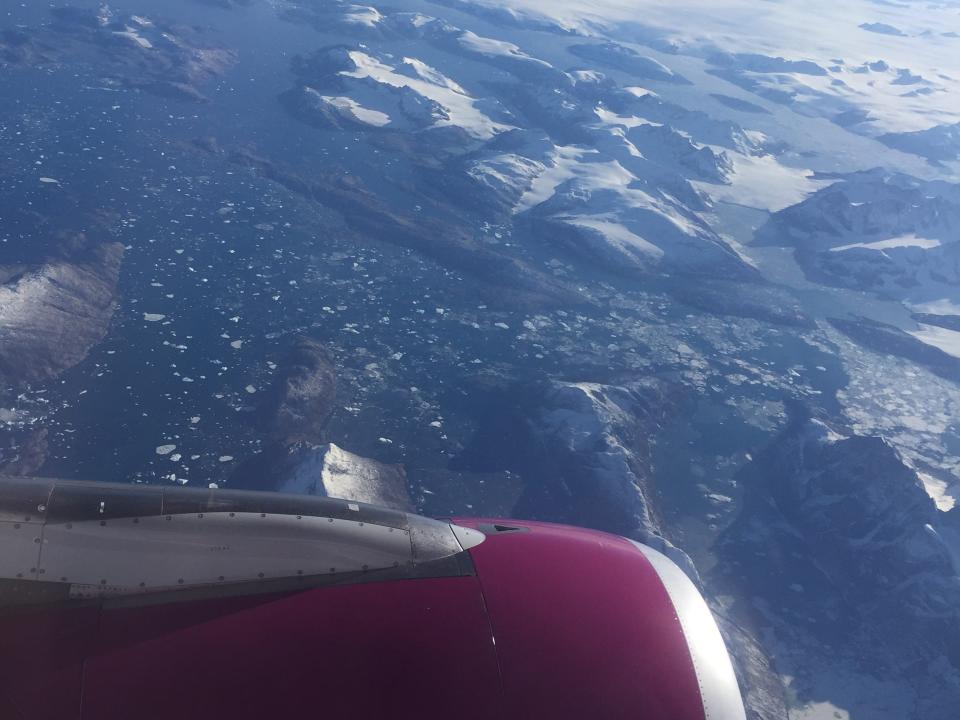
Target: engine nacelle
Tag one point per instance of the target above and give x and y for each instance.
(133, 601)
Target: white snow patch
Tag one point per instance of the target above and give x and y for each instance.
(432, 75)
(357, 111)
(568, 163)
(946, 340)
(939, 491)
(608, 117)
(943, 306)
(130, 34)
(902, 241)
(461, 108)
(362, 15)
(506, 170)
(616, 233)
(491, 47)
(574, 163)
(763, 183)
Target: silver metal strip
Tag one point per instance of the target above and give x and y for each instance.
(719, 690)
(171, 551)
(108, 539)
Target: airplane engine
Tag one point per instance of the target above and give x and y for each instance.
(121, 602)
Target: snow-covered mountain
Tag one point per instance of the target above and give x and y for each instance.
(55, 307)
(889, 234)
(608, 175)
(840, 543)
(939, 144)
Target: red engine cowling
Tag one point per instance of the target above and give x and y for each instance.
(256, 605)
